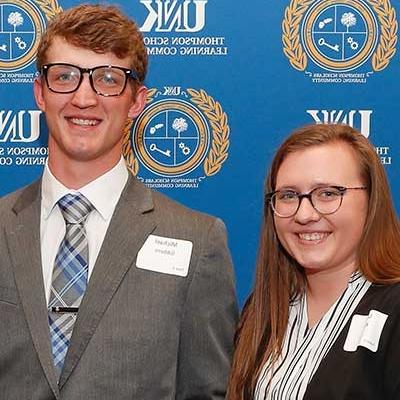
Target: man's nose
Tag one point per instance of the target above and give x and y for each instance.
(85, 96)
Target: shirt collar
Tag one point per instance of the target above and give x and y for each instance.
(104, 192)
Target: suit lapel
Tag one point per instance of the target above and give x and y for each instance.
(24, 243)
(130, 225)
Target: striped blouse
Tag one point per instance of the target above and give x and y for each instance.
(304, 348)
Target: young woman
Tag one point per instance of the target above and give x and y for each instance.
(323, 320)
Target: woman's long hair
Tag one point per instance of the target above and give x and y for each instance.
(280, 279)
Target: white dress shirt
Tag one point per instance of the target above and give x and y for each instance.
(104, 193)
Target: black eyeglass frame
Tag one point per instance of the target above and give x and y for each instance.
(129, 73)
(342, 190)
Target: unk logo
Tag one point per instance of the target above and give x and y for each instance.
(22, 22)
(359, 119)
(178, 16)
(339, 35)
(178, 134)
(172, 91)
(19, 127)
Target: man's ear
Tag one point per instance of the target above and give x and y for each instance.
(139, 103)
(38, 93)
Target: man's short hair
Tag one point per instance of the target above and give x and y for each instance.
(99, 28)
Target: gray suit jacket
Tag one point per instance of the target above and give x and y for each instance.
(139, 334)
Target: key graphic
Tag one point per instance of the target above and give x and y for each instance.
(153, 147)
(322, 42)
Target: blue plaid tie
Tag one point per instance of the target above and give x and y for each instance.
(69, 275)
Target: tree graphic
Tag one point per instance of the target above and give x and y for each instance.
(15, 19)
(348, 19)
(179, 125)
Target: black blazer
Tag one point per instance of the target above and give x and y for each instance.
(363, 374)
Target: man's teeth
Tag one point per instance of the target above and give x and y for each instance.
(312, 236)
(86, 122)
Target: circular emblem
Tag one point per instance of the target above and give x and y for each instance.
(177, 131)
(339, 36)
(22, 23)
(21, 27)
(172, 137)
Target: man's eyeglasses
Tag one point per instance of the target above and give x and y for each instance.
(325, 200)
(105, 80)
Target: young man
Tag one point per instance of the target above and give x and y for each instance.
(108, 290)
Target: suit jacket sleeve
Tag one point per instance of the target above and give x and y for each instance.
(209, 321)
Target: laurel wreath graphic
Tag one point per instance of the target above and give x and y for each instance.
(131, 161)
(220, 130)
(290, 37)
(380, 59)
(50, 8)
(388, 38)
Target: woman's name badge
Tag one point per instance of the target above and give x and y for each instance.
(165, 255)
(365, 330)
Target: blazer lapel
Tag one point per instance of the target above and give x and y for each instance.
(130, 225)
(24, 243)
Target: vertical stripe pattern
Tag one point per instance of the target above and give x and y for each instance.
(70, 274)
(304, 348)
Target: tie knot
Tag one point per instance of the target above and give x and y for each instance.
(75, 208)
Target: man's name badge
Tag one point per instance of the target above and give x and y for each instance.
(165, 255)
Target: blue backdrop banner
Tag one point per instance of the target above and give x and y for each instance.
(227, 82)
